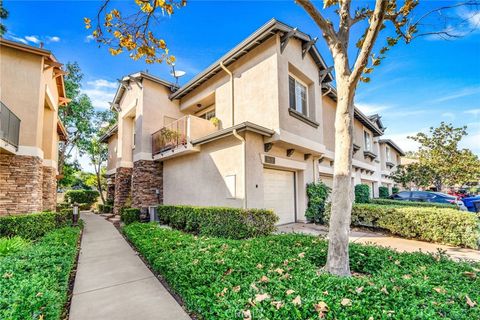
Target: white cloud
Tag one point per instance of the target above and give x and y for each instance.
(449, 115)
(100, 92)
(403, 142)
(89, 38)
(18, 39)
(53, 39)
(464, 23)
(469, 91)
(473, 112)
(33, 39)
(371, 108)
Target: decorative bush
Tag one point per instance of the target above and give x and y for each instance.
(62, 205)
(86, 198)
(317, 194)
(277, 277)
(34, 281)
(383, 192)
(439, 225)
(34, 225)
(395, 190)
(12, 245)
(105, 208)
(362, 193)
(412, 203)
(231, 223)
(130, 215)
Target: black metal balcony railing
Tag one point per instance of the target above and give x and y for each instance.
(9, 126)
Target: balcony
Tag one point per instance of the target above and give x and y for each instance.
(9, 129)
(176, 138)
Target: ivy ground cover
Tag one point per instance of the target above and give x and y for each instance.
(34, 281)
(279, 277)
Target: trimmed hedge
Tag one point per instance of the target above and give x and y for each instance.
(395, 190)
(34, 225)
(317, 194)
(130, 215)
(447, 226)
(34, 282)
(412, 203)
(383, 192)
(105, 208)
(230, 223)
(84, 197)
(280, 277)
(362, 193)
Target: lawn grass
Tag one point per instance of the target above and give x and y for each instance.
(34, 282)
(277, 277)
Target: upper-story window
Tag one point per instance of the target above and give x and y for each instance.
(298, 95)
(207, 114)
(388, 154)
(367, 139)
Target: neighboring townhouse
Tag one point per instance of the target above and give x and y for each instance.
(249, 131)
(31, 92)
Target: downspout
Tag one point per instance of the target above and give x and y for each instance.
(236, 135)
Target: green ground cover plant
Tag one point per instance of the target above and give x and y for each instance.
(11, 245)
(34, 225)
(278, 277)
(34, 281)
(230, 223)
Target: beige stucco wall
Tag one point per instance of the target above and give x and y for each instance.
(22, 92)
(112, 152)
(199, 178)
(328, 122)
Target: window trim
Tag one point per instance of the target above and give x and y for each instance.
(388, 154)
(307, 114)
(365, 134)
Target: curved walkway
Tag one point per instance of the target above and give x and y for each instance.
(112, 282)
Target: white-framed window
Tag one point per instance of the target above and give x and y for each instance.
(388, 155)
(298, 95)
(367, 139)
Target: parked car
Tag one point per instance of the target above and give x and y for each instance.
(470, 203)
(427, 196)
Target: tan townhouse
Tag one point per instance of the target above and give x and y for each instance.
(31, 92)
(249, 131)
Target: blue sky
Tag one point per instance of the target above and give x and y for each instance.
(417, 86)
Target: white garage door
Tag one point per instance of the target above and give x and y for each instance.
(279, 193)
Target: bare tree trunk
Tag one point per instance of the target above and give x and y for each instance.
(99, 182)
(339, 229)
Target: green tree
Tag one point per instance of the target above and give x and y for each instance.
(440, 157)
(3, 16)
(132, 32)
(76, 116)
(413, 175)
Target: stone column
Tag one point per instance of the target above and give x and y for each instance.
(49, 188)
(123, 181)
(147, 178)
(21, 179)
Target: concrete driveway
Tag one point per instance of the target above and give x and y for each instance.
(399, 244)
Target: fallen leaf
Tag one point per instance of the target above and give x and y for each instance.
(229, 271)
(440, 290)
(39, 294)
(259, 266)
(297, 301)
(286, 276)
(470, 303)
(41, 317)
(222, 293)
(325, 292)
(472, 275)
(407, 276)
(254, 287)
(279, 271)
(277, 304)
(384, 290)
(346, 302)
(236, 289)
(397, 262)
(247, 315)
(261, 297)
(7, 275)
(301, 254)
(285, 262)
(321, 307)
(359, 290)
(289, 292)
(264, 279)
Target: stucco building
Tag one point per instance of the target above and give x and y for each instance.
(31, 92)
(249, 131)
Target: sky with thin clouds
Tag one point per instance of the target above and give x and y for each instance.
(417, 86)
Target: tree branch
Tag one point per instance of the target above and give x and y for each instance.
(345, 23)
(376, 22)
(328, 31)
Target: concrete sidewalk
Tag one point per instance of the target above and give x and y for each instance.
(112, 282)
(399, 244)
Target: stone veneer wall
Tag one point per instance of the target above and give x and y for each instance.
(123, 183)
(49, 188)
(111, 188)
(21, 184)
(147, 177)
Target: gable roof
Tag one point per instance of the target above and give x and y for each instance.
(331, 92)
(393, 145)
(268, 30)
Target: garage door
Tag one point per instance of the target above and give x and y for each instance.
(279, 193)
